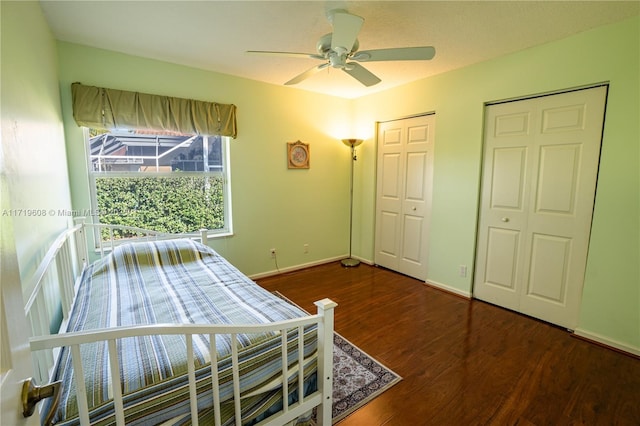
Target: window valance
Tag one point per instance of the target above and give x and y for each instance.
(119, 109)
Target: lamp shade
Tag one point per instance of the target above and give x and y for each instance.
(352, 142)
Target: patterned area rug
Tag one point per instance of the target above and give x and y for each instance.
(357, 377)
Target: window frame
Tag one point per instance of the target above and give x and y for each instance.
(225, 174)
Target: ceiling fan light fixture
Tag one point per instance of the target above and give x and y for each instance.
(337, 61)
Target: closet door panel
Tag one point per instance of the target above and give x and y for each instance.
(404, 176)
(539, 177)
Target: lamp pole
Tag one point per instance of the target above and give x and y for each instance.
(350, 261)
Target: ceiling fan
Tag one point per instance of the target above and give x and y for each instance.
(340, 50)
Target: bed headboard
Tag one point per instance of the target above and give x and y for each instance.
(54, 282)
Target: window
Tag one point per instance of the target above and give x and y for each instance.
(166, 182)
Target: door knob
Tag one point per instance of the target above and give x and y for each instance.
(505, 219)
(413, 208)
(32, 394)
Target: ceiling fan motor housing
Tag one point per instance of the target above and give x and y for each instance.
(323, 46)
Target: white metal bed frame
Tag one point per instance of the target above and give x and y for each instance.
(60, 272)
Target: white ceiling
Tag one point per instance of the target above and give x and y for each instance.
(214, 35)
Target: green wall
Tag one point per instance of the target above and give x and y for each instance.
(272, 206)
(276, 207)
(33, 163)
(611, 298)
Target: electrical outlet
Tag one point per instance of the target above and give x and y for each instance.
(305, 248)
(273, 252)
(462, 271)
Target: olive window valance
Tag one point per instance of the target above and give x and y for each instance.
(98, 107)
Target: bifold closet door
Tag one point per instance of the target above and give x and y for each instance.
(540, 168)
(403, 197)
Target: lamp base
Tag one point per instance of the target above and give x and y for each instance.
(350, 262)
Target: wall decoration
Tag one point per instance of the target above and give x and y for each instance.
(298, 155)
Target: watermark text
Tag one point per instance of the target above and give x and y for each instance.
(61, 212)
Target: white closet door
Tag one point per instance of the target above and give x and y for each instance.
(404, 181)
(538, 188)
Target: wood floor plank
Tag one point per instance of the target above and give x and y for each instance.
(466, 362)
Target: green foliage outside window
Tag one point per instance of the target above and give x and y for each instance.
(182, 204)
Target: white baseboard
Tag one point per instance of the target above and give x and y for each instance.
(294, 268)
(449, 289)
(365, 261)
(595, 337)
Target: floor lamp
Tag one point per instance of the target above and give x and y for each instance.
(351, 262)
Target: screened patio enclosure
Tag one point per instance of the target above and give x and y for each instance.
(137, 151)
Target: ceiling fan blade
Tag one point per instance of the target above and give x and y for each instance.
(287, 54)
(345, 30)
(308, 73)
(361, 74)
(395, 54)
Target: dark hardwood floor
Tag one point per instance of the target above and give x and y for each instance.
(466, 362)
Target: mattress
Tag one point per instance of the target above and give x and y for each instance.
(176, 282)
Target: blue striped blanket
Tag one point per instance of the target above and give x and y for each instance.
(174, 282)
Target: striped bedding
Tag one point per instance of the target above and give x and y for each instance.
(174, 281)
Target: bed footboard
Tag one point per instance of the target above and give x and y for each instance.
(325, 359)
(321, 398)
